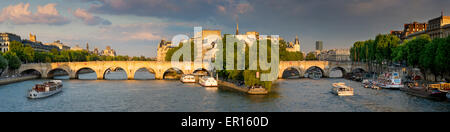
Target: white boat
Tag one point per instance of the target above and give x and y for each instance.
(44, 90)
(188, 78)
(257, 90)
(342, 90)
(390, 81)
(207, 81)
(448, 95)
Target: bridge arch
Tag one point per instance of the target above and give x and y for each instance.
(60, 71)
(291, 72)
(202, 70)
(84, 70)
(358, 70)
(174, 72)
(146, 72)
(115, 70)
(337, 72)
(312, 69)
(30, 72)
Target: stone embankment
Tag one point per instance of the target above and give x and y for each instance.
(10, 80)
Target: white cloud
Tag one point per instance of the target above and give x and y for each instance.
(89, 19)
(140, 36)
(20, 14)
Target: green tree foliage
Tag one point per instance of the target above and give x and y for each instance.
(13, 61)
(381, 49)
(3, 64)
(44, 57)
(384, 46)
(171, 51)
(442, 58)
(415, 48)
(289, 56)
(25, 53)
(428, 55)
(421, 52)
(311, 56)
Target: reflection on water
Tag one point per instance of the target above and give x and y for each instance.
(161, 95)
(88, 76)
(336, 73)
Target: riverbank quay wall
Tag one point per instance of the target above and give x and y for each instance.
(17, 79)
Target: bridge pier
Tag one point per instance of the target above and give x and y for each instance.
(130, 74)
(100, 74)
(73, 75)
(159, 76)
(44, 76)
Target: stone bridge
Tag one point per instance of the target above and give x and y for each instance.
(326, 67)
(101, 67)
(159, 68)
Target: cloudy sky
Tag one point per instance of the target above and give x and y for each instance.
(134, 27)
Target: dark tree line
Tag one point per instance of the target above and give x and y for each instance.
(421, 52)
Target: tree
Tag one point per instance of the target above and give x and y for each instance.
(400, 53)
(54, 51)
(18, 49)
(442, 60)
(13, 61)
(171, 51)
(414, 49)
(384, 46)
(3, 64)
(311, 56)
(46, 57)
(428, 55)
(93, 57)
(28, 53)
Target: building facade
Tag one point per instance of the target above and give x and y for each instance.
(334, 55)
(206, 33)
(294, 46)
(410, 30)
(58, 44)
(163, 47)
(446, 30)
(414, 27)
(37, 45)
(437, 26)
(108, 51)
(6, 39)
(399, 34)
(76, 48)
(253, 33)
(96, 51)
(319, 45)
(338, 55)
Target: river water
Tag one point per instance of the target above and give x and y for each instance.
(297, 95)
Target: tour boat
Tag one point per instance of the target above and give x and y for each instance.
(370, 84)
(188, 78)
(423, 90)
(45, 90)
(207, 81)
(342, 90)
(390, 81)
(257, 90)
(442, 87)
